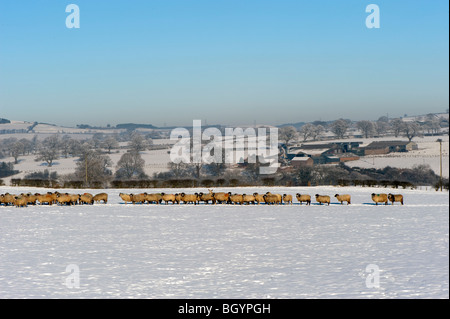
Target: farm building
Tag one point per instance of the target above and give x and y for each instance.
(386, 147)
(325, 153)
(304, 161)
(346, 157)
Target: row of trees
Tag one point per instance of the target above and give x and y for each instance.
(382, 127)
(93, 163)
(304, 176)
(55, 146)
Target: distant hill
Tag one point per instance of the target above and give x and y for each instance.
(300, 124)
(4, 121)
(132, 126)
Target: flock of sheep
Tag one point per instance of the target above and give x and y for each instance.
(241, 199)
(50, 198)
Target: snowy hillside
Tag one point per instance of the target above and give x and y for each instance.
(225, 251)
(156, 161)
(428, 153)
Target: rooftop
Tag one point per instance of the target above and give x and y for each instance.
(384, 144)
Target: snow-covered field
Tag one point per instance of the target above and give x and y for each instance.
(428, 153)
(156, 161)
(225, 251)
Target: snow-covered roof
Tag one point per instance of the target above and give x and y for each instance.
(314, 152)
(301, 159)
(384, 144)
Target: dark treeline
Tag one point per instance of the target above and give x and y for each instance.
(340, 175)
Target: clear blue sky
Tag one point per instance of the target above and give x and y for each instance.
(224, 61)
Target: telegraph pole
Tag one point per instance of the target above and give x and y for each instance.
(86, 168)
(440, 162)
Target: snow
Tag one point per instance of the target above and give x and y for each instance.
(228, 251)
(428, 153)
(156, 161)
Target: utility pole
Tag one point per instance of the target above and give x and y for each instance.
(86, 168)
(440, 162)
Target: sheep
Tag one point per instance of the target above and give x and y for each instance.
(380, 198)
(20, 201)
(74, 198)
(153, 198)
(125, 197)
(207, 197)
(236, 198)
(63, 199)
(8, 199)
(287, 198)
(395, 198)
(178, 198)
(221, 197)
(101, 197)
(138, 198)
(189, 198)
(280, 198)
(343, 198)
(31, 198)
(247, 199)
(45, 198)
(321, 199)
(271, 199)
(303, 198)
(86, 198)
(168, 198)
(259, 198)
(53, 196)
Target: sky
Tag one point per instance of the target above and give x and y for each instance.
(236, 62)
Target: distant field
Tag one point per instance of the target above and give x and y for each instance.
(157, 160)
(428, 153)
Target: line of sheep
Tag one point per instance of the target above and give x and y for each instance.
(244, 199)
(66, 199)
(50, 198)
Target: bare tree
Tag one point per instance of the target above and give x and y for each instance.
(110, 143)
(196, 168)
(75, 147)
(16, 149)
(137, 142)
(317, 131)
(310, 130)
(34, 144)
(339, 128)
(179, 170)
(306, 131)
(411, 130)
(92, 167)
(130, 166)
(397, 126)
(432, 124)
(381, 127)
(27, 146)
(366, 127)
(288, 134)
(97, 139)
(49, 150)
(65, 145)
